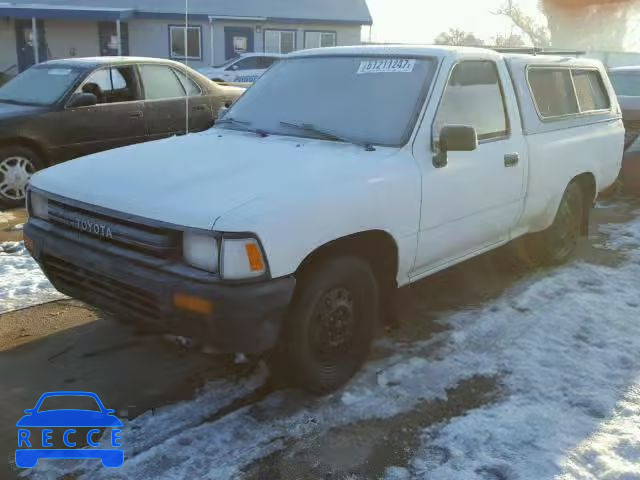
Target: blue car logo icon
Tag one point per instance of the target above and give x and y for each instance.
(29, 443)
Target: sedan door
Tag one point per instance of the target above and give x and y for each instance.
(165, 104)
(115, 121)
(202, 107)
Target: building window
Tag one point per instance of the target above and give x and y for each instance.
(319, 39)
(279, 41)
(193, 50)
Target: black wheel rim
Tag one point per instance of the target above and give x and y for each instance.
(333, 326)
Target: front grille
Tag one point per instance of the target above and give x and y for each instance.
(631, 131)
(155, 241)
(100, 290)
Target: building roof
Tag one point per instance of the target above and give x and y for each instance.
(314, 11)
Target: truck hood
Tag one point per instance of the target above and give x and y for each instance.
(193, 180)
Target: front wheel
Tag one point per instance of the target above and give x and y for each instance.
(17, 164)
(329, 330)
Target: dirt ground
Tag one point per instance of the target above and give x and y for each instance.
(67, 345)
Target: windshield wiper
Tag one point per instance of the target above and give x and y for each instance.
(243, 124)
(328, 135)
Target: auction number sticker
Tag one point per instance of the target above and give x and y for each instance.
(387, 65)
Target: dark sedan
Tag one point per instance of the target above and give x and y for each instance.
(626, 82)
(63, 109)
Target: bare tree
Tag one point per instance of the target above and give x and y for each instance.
(538, 34)
(456, 36)
(588, 24)
(512, 40)
(576, 24)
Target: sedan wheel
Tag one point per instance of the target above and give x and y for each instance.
(17, 165)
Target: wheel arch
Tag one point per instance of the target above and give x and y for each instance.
(377, 247)
(27, 143)
(587, 183)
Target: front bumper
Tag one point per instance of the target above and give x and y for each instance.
(245, 317)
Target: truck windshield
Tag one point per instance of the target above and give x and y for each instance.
(372, 100)
(626, 84)
(40, 85)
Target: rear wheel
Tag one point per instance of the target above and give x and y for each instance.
(329, 330)
(558, 243)
(17, 164)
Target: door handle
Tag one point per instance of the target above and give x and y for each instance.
(511, 159)
(137, 114)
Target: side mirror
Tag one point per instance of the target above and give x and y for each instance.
(82, 100)
(455, 138)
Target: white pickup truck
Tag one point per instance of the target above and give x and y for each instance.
(341, 175)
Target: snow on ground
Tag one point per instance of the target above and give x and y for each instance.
(563, 343)
(22, 283)
(568, 345)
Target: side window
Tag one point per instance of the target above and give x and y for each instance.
(590, 91)
(553, 92)
(249, 63)
(112, 85)
(160, 82)
(474, 97)
(189, 85)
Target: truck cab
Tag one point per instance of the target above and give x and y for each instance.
(340, 176)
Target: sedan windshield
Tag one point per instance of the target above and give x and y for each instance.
(40, 85)
(368, 100)
(626, 84)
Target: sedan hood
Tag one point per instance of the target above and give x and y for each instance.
(10, 110)
(194, 180)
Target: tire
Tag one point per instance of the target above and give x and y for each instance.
(329, 329)
(17, 164)
(557, 244)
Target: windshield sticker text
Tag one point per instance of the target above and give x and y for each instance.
(387, 65)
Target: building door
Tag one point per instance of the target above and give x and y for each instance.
(108, 35)
(238, 40)
(24, 43)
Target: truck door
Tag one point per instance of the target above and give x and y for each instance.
(474, 200)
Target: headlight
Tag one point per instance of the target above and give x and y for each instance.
(200, 251)
(242, 258)
(39, 206)
(233, 258)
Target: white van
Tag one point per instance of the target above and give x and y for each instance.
(340, 176)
